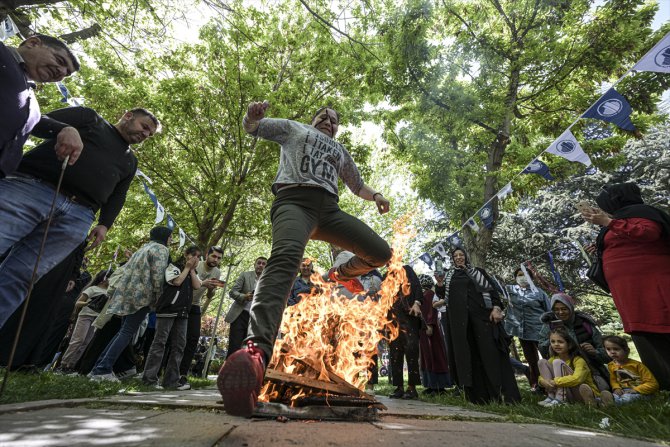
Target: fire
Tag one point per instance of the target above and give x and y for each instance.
(327, 336)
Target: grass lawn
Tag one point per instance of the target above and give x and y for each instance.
(24, 387)
(646, 420)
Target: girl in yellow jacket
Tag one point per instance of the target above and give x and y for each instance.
(566, 376)
(630, 379)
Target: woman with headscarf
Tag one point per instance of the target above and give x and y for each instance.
(433, 355)
(583, 329)
(635, 245)
(526, 306)
(478, 344)
(132, 292)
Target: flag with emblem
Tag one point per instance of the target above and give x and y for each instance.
(538, 167)
(486, 215)
(427, 259)
(568, 147)
(657, 59)
(613, 108)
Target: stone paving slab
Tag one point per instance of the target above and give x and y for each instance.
(130, 427)
(195, 418)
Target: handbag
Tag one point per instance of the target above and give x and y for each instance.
(596, 274)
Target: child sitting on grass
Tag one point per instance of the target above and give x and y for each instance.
(630, 379)
(566, 376)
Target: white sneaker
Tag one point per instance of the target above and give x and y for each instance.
(158, 387)
(545, 402)
(100, 377)
(184, 387)
(555, 403)
(127, 374)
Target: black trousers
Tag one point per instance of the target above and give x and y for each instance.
(238, 332)
(192, 338)
(405, 347)
(654, 350)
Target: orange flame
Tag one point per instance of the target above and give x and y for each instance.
(329, 332)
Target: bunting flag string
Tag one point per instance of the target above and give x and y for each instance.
(161, 213)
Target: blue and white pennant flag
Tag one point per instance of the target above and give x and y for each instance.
(613, 108)
(657, 59)
(427, 259)
(473, 225)
(538, 167)
(505, 191)
(486, 215)
(568, 147)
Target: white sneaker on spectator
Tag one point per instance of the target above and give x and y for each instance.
(100, 377)
(158, 387)
(546, 402)
(127, 374)
(184, 387)
(555, 403)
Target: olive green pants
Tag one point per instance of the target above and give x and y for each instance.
(298, 215)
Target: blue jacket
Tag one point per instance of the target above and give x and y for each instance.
(524, 311)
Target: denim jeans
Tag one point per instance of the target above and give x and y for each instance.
(24, 211)
(129, 326)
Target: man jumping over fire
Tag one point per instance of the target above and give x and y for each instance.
(305, 207)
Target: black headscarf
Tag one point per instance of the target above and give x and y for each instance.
(623, 201)
(160, 235)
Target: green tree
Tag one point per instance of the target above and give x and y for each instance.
(482, 87)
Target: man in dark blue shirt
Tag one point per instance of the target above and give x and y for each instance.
(39, 58)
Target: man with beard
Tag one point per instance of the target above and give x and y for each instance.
(98, 181)
(209, 273)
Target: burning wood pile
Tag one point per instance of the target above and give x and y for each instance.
(328, 342)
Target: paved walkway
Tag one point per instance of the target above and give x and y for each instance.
(195, 418)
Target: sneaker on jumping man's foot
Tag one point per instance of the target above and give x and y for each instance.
(353, 285)
(240, 380)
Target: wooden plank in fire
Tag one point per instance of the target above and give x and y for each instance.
(291, 379)
(337, 379)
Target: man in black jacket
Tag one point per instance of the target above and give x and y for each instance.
(99, 181)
